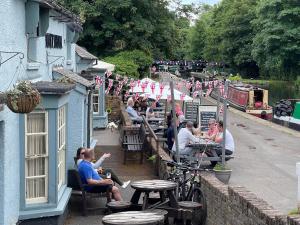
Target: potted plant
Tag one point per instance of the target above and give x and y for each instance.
(222, 172)
(23, 98)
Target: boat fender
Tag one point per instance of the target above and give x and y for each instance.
(263, 115)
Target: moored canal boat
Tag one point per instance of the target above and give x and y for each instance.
(248, 98)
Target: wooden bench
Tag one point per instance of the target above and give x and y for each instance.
(133, 141)
(134, 218)
(118, 206)
(78, 189)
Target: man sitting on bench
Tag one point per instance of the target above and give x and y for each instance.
(89, 176)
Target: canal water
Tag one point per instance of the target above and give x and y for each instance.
(281, 90)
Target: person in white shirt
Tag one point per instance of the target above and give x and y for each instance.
(229, 142)
(185, 137)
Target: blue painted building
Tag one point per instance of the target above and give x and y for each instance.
(36, 149)
(90, 65)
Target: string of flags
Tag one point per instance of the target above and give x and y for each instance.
(119, 82)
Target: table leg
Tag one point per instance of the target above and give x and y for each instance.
(162, 196)
(136, 197)
(145, 202)
(173, 201)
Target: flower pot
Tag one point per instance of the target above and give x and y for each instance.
(23, 103)
(223, 175)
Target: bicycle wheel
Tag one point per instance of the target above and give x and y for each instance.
(201, 214)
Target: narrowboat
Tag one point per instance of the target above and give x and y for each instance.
(248, 98)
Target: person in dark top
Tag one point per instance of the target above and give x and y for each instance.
(89, 176)
(170, 136)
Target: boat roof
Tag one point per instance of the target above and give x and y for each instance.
(246, 87)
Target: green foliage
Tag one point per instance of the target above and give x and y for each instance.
(276, 46)
(112, 26)
(131, 63)
(293, 212)
(251, 36)
(220, 167)
(235, 78)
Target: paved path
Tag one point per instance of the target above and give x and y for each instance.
(265, 159)
(132, 171)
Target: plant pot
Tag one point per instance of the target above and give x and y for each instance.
(23, 103)
(223, 175)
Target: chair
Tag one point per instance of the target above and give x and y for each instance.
(133, 141)
(78, 189)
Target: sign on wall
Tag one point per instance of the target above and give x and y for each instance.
(191, 111)
(206, 112)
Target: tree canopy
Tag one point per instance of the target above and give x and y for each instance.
(252, 36)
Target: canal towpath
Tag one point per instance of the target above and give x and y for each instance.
(265, 158)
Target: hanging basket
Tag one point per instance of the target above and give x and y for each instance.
(23, 103)
(23, 98)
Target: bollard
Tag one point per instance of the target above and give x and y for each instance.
(298, 194)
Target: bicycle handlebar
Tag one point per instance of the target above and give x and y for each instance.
(184, 167)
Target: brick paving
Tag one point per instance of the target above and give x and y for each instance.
(131, 171)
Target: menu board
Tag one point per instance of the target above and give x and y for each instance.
(206, 112)
(191, 111)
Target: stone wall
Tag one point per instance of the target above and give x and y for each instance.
(113, 102)
(235, 205)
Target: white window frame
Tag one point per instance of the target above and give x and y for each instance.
(61, 146)
(46, 156)
(96, 103)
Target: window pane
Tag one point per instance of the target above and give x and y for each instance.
(36, 145)
(35, 167)
(35, 188)
(36, 123)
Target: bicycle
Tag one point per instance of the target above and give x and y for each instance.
(189, 189)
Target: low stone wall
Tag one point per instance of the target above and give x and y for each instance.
(235, 205)
(229, 205)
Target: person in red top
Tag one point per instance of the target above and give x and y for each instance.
(212, 129)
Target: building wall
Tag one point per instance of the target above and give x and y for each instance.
(82, 64)
(76, 124)
(100, 120)
(14, 39)
(12, 17)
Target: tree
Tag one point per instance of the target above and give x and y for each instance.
(131, 63)
(276, 45)
(111, 26)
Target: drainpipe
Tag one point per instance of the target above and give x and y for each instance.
(90, 91)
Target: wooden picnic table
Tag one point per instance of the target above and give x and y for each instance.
(207, 146)
(134, 218)
(165, 188)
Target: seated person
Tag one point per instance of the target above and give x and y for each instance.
(97, 166)
(185, 137)
(212, 129)
(131, 112)
(229, 142)
(150, 112)
(181, 122)
(196, 130)
(89, 176)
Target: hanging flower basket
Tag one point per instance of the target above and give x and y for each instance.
(23, 98)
